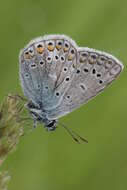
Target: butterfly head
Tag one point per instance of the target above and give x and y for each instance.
(51, 125)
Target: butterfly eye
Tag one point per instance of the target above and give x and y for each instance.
(39, 48)
(50, 45)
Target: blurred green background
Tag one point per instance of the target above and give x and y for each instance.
(52, 161)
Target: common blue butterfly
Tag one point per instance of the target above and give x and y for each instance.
(57, 76)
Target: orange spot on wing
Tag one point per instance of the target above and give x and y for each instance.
(51, 47)
(27, 55)
(40, 50)
(58, 47)
(70, 57)
(65, 49)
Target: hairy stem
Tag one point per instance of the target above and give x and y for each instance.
(11, 129)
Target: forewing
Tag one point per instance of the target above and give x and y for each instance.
(94, 71)
(46, 70)
(28, 70)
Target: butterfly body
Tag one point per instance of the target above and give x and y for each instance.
(58, 77)
(40, 115)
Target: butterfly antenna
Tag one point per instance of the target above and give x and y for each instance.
(81, 138)
(76, 137)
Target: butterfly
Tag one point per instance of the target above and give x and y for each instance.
(58, 77)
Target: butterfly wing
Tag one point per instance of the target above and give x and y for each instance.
(60, 76)
(94, 71)
(46, 68)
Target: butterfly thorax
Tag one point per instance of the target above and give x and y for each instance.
(39, 115)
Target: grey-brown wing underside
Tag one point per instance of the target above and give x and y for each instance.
(94, 71)
(46, 66)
